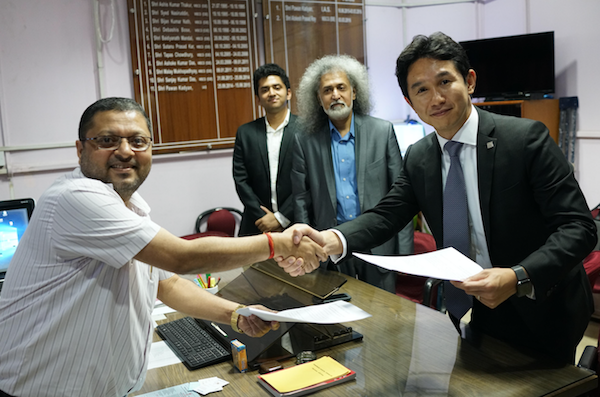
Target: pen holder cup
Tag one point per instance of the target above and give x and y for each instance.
(212, 290)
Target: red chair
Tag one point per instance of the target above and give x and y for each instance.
(417, 288)
(221, 222)
(592, 268)
(591, 354)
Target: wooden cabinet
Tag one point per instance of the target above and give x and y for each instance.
(544, 110)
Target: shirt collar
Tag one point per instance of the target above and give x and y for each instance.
(136, 203)
(281, 126)
(467, 134)
(335, 134)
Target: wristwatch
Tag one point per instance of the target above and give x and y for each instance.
(524, 286)
(234, 319)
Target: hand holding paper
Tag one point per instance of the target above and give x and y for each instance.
(328, 313)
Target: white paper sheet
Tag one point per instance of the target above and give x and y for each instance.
(327, 313)
(161, 355)
(444, 264)
(208, 385)
(175, 391)
(160, 309)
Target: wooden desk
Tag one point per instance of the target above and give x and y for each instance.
(409, 348)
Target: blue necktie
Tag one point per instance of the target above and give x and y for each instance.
(456, 228)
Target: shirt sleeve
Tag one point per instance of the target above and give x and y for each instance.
(92, 221)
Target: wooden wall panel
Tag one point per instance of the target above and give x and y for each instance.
(298, 32)
(193, 62)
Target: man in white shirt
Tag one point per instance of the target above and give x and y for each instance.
(75, 310)
(262, 159)
(529, 224)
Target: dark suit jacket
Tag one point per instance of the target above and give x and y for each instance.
(252, 176)
(534, 214)
(378, 164)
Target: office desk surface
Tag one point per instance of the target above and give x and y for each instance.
(409, 349)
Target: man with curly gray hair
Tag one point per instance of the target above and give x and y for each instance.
(345, 161)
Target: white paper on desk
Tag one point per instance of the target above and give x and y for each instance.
(161, 355)
(175, 391)
(444, 264)
(160, 309)
(327, 313)
(208, 385)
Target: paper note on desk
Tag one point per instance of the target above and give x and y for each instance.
(327, 313)
(444, 264)
(161, 355)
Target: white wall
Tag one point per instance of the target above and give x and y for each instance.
(49, 74)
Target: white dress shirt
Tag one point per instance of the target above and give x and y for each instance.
(274, 137)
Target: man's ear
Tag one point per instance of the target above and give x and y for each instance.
(79, 147)
(289, 94)
(471, 80)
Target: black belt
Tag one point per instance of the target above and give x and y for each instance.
(2, 394)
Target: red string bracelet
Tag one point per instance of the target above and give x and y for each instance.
(271, 246)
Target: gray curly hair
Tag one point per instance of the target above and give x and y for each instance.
(311, 113)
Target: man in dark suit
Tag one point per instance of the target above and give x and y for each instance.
(261, 163)
(345, 161)
(530, 226)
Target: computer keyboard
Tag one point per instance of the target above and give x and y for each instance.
(192, 344)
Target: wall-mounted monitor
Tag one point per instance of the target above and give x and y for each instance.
(513, 67)
(408, 133)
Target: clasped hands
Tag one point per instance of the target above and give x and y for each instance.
(300, 248)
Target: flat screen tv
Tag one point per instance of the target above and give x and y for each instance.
(513, 67)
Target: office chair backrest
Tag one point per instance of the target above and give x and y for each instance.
(220, 221)
(416, 288)
(424, 242)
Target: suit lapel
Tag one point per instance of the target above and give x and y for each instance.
(360, 154)
(261, 138)
(486, 151)
(433, 185)
(286, 142)
(324, 148)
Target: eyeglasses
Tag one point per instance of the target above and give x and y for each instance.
(112, 142)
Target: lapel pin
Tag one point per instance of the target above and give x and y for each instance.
(490, 145)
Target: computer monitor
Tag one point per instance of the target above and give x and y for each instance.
(14, 218)
(408, 133)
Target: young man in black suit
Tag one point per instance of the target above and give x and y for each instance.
(261, 164)
(530, 226)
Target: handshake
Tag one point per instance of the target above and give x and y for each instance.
(300, 248)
